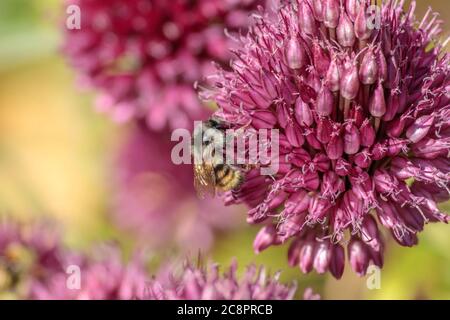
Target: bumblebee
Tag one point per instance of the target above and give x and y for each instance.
(211, 174)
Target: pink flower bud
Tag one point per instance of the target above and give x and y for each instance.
(325, 102)
(402, 100)
(265, 238)
(395, 128)
(303, 113)
(363, 159)
(294, 134)
(379, 151)
(322, 257)
(306, 19)
(261, 101)
(406, 239)
(324, 130)
(428, 148)
(295, 54)
(367, 134)
(321, 58)
(312, 140)
(290, 226)
(419, 129)
(362, 30)
(356, 114)
(300, 157)
(352, 8)
(331, 13)
(386, 40)
(352, 204)
(270, 84)
(335, 147)
(377, 104)
(369, 232)
(352, 140)
(307, 93)
(332, 185)
(313, 80)
(359, 257)
(395, 146)
(275, 202)
(264, 119)
(387, 214)
(382, 66)
(337, 261)
(299, 201)
(343, 168)
(321, 162)
(403, 169)
(318, 9)
(307, 256)
(318, 208)
(283, 114)
(287, 94)
(350, 82)
(391, 107)
(393, 74)
(345, 33)
(412, 218)
(294, 253)
(368, 71)
(332, 77)
(311, 181)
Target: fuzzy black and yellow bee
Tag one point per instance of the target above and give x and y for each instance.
(211, 173)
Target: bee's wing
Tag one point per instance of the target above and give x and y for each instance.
(204, 180)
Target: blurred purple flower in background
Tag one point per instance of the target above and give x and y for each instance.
(156, 201)
(108, 277)
(144, 56)
(28, 253)
(363, 113)
(206, 283)
(34, 264)
(103, 276)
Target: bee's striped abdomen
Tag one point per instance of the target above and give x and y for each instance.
(227, 178)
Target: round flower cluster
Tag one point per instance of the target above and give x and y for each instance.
(28, 253)
(198, 283)
(100, 276)
(34, 264)
(360, 96)
(144, 56)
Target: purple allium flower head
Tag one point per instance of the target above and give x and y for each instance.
(206, 283)
(156, 201)
(29, 252)
(104, 276)
(144, 56)
(370, 109)
(35, 265)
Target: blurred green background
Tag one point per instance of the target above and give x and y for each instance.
(55, 156)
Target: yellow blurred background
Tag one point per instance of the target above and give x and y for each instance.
(55, 159)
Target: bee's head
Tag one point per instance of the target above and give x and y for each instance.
(212, 135)
(209, 140)
(209, 132)
(214, 123)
